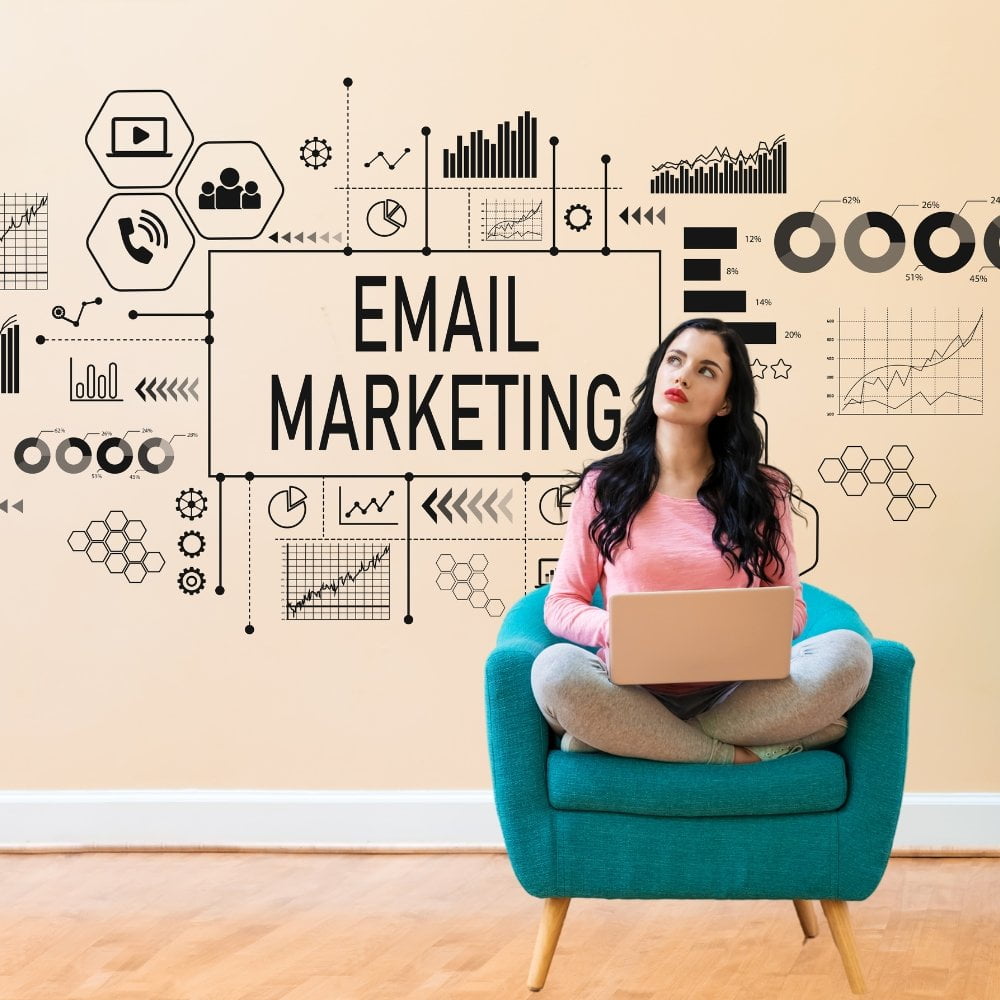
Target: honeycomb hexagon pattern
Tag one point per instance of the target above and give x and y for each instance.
(116, 543)
(854, 471)
(468, 582)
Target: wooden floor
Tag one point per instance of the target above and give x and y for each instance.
(401, 927)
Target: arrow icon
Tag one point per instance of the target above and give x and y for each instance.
(428, 505)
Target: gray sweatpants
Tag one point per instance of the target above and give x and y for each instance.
(829, 674)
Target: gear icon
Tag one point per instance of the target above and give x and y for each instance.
(578, 217)
(192, 504)
(191, 580)
(315, 152)
(191, 543)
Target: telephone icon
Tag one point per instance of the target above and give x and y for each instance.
(141, 254)
(151, 225)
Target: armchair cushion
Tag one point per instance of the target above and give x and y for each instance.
(598, 782)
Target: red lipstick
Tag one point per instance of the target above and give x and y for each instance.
(677, 394)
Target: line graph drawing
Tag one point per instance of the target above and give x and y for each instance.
(513, 220)
(390, 164)
(910, 365)
(24, 241)
(335, 581)
(361, 510)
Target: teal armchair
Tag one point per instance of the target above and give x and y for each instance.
(815, 825)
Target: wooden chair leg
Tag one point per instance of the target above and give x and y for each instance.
(553, 915)
(843, 935)
(807, 917)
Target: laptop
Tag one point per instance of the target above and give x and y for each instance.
(139, 137)
(683, 636)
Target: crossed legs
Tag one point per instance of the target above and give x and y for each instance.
(829, 674)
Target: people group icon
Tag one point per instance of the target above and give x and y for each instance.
(229, 193)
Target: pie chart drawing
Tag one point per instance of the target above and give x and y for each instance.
(783, 242)
(386, 218)
(287, 508)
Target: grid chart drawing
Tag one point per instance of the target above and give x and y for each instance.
(24, 241)
(512, 221)
(335, 581)
(910, 366)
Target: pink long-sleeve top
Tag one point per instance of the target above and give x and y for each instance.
(671, 549)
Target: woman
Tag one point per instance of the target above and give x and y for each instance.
(687, 505)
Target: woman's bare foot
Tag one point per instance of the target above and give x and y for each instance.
(743, 756)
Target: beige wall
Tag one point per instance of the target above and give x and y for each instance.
(112, 685)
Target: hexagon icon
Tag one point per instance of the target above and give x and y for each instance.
(900, 508)
(78, 541)
(922, 495)
(854, 457)
(153, 562)
(854, 483)
(134, 530)
(116, 520)
(899, 457)
(97, 531)
(831, 470)
(877, 470)
(229, 190)
(140, 242)
(900, 484)
(139, 138)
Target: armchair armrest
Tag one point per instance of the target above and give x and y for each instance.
(518, 740)
(874, 752)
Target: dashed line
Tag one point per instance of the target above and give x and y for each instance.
(473, 187)
(118, 340)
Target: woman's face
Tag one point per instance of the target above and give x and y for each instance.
(692, 382)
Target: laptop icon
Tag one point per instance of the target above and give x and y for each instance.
(139, 137)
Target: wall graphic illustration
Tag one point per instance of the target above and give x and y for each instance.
(306, 371)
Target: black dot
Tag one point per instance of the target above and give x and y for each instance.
(209, 314)
(221, 477)
(248, 476)
(97, 301)
(249, 630)
(426, 251)
(348, 81)
(554, 140)
(605, 158)
(348, 251)
(526, 476)
(426, 130)
(220, 590)
(553, 250)
(606, 251)
(408, 477)
(407, 619)
(132, 314)
(39, 339)
(209, 339)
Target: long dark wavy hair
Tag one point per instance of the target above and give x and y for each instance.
(740, 491)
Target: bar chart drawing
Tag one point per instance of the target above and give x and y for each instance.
(512, 221)
(24, 241)
(764, 171)
(10, 356)
(93, 387)
(513, 154)
(335, 581)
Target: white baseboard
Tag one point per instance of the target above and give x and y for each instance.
(353, 820)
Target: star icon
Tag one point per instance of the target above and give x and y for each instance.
(758, 372)
(780, 368)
